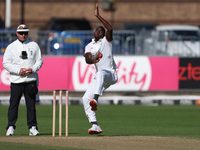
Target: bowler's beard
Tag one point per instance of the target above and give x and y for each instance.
(96, 39)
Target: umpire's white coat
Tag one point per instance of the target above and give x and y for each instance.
(12, 61)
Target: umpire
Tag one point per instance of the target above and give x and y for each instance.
(22, 59)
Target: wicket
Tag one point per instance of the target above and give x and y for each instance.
(60, 113)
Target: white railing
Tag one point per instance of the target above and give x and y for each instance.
(122, 100)
(126, 42)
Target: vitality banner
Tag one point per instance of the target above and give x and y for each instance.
(135, 73)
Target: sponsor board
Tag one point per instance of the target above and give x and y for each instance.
(189, 73)
(135, 73)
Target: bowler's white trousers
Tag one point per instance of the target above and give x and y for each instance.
(102, 80)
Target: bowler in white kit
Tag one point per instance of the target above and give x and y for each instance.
(99, 53)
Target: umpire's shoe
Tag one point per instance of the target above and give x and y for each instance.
(10, 131)
(33, 131)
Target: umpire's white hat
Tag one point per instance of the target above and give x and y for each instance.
(22, 28)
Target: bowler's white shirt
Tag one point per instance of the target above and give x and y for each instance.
(105, 47)
(13, 62)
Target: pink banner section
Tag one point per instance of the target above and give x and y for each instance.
(56, 74)
(4, 78)
(165, 72)
(136, 73)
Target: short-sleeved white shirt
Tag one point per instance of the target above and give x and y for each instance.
(105, 47)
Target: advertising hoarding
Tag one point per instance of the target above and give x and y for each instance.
(135, 73)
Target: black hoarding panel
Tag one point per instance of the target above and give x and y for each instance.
(189, 73)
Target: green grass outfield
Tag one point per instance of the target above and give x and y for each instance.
(115, 120)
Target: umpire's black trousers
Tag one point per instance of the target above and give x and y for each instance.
(17, 90)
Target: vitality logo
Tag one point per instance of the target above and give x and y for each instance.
(134, 74)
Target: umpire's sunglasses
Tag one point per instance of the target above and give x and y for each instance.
(21, 33)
